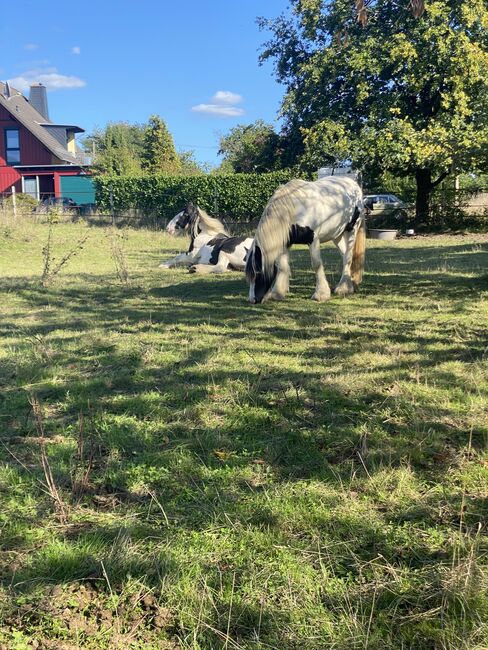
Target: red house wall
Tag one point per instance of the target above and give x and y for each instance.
(32, 152)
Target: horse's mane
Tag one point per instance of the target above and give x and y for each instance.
(210, 224)
(273, 230)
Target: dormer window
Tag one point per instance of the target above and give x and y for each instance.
(12, 146)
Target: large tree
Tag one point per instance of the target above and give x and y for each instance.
(402, 94)
(159, 154)
(251, 148)
(117, 148)
(190, 166)
(122, 148)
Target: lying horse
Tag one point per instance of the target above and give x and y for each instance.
(212, 249)
(302, 212)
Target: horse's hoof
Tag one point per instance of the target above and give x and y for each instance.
(321, 296)
(344, 290)
(277, 296)
(192, 269)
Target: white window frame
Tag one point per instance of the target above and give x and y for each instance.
(38, 194)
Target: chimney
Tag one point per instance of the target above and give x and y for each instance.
(6, 92)
(38, 99)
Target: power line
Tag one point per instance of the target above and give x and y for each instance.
(198, 146)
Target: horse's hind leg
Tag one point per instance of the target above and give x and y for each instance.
(220, 267)
(345, 244)
(281, 284)
(322, 289)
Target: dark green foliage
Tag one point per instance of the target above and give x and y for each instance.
(159, 153)
(190, 166)
(252, 148)
(399, 94)
(242, 196)
(122, 148)
(117, 149)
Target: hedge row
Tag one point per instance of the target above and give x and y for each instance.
(239, 197)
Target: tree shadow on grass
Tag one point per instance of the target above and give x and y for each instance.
(270, 427)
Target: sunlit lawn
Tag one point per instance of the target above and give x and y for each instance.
(291, 476)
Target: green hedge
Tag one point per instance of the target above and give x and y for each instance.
(240, 197)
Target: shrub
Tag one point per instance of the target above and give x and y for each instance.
(25, 203)
(240, 196)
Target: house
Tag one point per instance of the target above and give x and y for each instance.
(37, 156)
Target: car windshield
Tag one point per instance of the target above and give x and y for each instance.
(382, 198)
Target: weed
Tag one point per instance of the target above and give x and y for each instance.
(50, 269)
(118, 255)
(50, 483)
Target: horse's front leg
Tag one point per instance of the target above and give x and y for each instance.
(184, 259)
(322, 289)
(281, 284)
(345, 244)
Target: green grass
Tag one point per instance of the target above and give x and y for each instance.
(290, 476)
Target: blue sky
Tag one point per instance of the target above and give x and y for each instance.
(195, 63)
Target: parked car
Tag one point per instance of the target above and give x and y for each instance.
(63, 205)
(386, 211)
(384, 203)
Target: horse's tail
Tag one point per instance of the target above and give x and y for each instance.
(273, 231)
(359, 252)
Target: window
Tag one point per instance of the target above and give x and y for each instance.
(12, 146)
(30, 186)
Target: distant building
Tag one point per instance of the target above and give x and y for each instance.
(37, 156)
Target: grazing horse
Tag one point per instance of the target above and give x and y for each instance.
(304, 212)
(212, 249)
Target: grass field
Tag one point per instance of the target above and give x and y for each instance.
(180, 469)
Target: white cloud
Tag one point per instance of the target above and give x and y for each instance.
(226, 97)
(31, 46)
(50, 77)
(76, 49)
(222, 105)
(215, 109)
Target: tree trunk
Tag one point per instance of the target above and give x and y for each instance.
(424, 188)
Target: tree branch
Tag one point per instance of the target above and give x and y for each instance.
(440, 179)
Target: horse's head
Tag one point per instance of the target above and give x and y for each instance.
(260, 281)
(183, 219)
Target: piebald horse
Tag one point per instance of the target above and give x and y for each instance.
(212, 249)
(308, 212)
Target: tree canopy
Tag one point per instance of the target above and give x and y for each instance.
(398, 94)
(123, 149)
(159, 153)
(251, 148)
(117, 148)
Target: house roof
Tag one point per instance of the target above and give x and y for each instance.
(20, 108)
(70, 127)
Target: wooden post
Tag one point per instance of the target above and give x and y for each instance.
(216, 201)
(457, 197)
(112, 211)
(14, 201)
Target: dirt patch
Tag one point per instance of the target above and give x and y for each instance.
(72, 616)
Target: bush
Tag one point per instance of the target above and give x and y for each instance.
(24, 202)
(241, 197)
